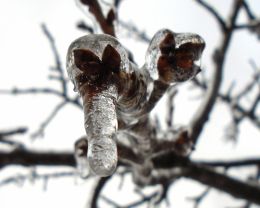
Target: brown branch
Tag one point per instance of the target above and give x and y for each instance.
(35, 176)
(106, 23)
(224, 183)
(33, 158)
(98, 188)
(206, 176)
(197, 124)
(198, 199)
(250, 14)
(44, 124)
(167, 161)
(58, 66)
(26, 157)
(7, 133)
(18, 91)
(232, 163)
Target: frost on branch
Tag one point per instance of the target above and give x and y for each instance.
(116, 94)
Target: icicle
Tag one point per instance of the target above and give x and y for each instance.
(94, 63)
(172, 57)
(80, 153)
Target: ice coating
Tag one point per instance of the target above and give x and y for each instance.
(114, 90)
(99, 94)
(95, 43)
(153, 53)
(101, 126)
(80, 153)
(172, 57)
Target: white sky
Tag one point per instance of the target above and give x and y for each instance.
(26, 57)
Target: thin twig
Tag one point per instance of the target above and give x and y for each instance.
(35, 176)
(58, 66)
(106, 23)
(40, 131)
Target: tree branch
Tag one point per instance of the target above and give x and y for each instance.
(33, 158)
(106, 23)
(206, 176)
(98, 188)
(7, 133)
(231, 163)
(167, 161)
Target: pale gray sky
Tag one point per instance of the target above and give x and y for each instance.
(26, 57)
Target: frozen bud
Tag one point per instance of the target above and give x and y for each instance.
(174, 57)
(90, 57)
(80, 153)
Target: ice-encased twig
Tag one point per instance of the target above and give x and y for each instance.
(114, 90)
(101, 126)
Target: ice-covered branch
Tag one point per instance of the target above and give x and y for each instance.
(6, 133)
(164, 163)
(106, 23)
(114, 91)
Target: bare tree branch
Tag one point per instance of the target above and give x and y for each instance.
(58, 66)
(97, 190)
(21, 130)
(206, 176)
(232, 164)
(106, 23)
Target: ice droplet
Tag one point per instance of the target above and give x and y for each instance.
(80, 153)
(101, 126)
(102, 156)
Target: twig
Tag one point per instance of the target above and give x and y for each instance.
(83, 26)
(206, 176)
(231, 164)
(170, 107)
(97, 190)
(32, 158)
(18, 91)
(248, 11)
(106, 23)
(35, 176)
(40, 131)
(198, 199)
(58, 66)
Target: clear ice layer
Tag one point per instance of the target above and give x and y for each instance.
(96, 44)
(128, 93)
(101, 126)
